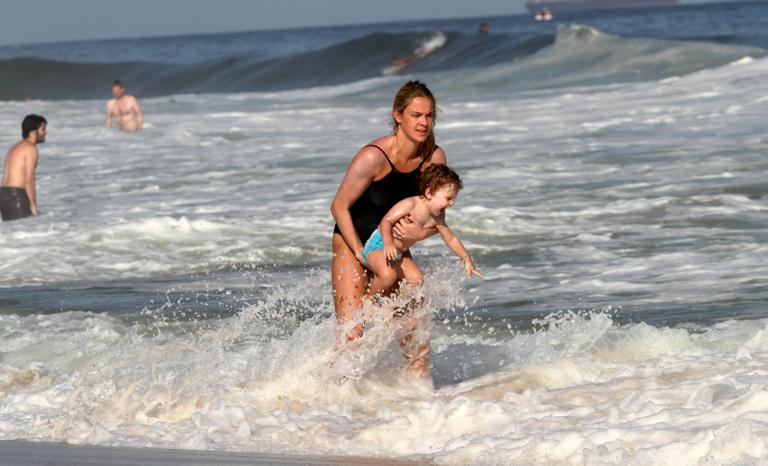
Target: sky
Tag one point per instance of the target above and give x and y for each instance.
(25, 21)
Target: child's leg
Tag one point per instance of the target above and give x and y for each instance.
(384, 275)
(414, 338)
(415, 345)
(411, 272)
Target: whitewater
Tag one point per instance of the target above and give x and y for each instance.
(175, 292)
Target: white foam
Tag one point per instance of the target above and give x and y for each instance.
(578, 389)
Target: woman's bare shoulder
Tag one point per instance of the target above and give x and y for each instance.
(383, 142)
(370, 158)
(437, 157)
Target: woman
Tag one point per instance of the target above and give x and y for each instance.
(382, 173)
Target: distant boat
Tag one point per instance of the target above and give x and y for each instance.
(543, 15)
(571, 6)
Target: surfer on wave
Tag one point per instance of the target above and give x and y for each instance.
(400, 63)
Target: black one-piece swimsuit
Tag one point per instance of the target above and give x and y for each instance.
(380, 196)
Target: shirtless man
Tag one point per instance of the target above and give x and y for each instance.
(17, 194)
(125, 108)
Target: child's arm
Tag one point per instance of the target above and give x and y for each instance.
(398, 211)
(453, 242)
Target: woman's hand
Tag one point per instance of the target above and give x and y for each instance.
(407, 231)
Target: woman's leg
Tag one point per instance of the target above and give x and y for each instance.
(349, 280)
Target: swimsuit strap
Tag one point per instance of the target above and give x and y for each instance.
(385, 155)
(423, 159)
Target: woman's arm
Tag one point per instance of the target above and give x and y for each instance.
(360, 173)
(398, 211)
(455, 244)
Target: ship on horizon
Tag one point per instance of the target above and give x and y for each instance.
(572, 6)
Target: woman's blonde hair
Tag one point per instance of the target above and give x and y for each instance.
(403, 98)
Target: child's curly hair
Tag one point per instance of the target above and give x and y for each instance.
(437, 176)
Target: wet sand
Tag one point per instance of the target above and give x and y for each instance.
(46, 453)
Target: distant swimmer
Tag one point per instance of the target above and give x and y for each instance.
(125, 108)
(18, 193)
(484, 28)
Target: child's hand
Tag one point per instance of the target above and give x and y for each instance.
(470, 269)
(391, 253)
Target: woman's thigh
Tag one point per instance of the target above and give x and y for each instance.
(349, 280)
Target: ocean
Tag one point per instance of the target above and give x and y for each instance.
(175, 290)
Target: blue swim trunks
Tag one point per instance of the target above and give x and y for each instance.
(374, 243)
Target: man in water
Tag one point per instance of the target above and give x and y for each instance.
(17, 194)
(125, 108)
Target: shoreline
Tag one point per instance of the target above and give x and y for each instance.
(25, 452)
